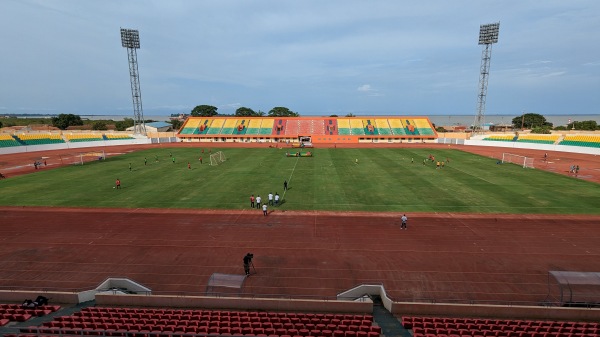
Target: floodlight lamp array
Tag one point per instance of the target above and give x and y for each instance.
(488, 34)
(130, 38)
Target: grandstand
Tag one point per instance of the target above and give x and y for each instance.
(116, 136)
(501, 138)
(254, 126)
(180, 314)
(538, 138)
(266, 127)
(83, 137)
(7, 140)
(39, 138)
(229, 126)
(465, 326)
(581, 140)
(290, 129)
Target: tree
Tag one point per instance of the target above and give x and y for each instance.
(0, 124)
(63, 121)
(350, 115)
(99, 125)
(176, 124)
(541, 129)
(333, 115)
(204, 111)
(124, 124)
(585, 125)
(245, 112)
(280, 111)
(530, 120)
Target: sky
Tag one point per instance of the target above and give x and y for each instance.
(315, 57)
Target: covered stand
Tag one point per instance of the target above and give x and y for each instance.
(572, 288)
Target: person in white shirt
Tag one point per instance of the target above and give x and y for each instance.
(265, 210)
(258, 200)
(276, 199)
(404, 220)
(270, 199)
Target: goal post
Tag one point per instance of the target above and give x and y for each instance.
(82, 157)
(217, 158)
(525, 162)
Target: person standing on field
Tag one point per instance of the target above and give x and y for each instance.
(252, 201)
(285, 185)
(265, 213)
(118, 184)
(258, 200)
(270, 199)
(404, 219)
(276, 199)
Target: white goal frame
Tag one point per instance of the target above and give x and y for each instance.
(82, 157)
(525, 162)
(217, 158)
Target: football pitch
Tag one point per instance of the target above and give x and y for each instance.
(383, 180)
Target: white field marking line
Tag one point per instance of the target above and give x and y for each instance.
(463, 171)
(290, 179)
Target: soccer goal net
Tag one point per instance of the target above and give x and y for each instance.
(82, 157)
(217, 158)
(525, 162)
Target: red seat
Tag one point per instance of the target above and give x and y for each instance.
(350, 333)
(338, 333)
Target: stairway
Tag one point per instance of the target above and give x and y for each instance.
(390, 325)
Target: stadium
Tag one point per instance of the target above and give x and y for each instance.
(501, 240)
(280, 225)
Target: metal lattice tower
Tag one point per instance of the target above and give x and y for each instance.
(488, 35)
(130, 39)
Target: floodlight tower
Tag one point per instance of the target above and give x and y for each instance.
(130, 39)
(488, 35)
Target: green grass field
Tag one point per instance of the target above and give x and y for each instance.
(383, 180)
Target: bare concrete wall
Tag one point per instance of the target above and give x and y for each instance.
(234, 303)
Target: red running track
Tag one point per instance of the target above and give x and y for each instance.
(440, 256)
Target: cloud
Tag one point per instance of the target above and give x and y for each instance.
(230, 106)
(369, 91)
(315, 56)
(365, 88)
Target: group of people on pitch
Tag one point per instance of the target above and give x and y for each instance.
(273, 200)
